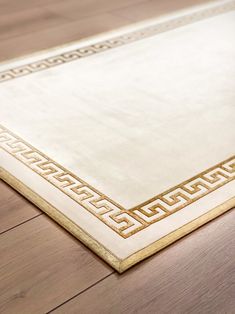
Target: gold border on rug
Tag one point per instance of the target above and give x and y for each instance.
(125, 222)
(98, 248)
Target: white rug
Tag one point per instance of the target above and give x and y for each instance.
(127, 140)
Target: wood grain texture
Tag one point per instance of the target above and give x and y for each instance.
(28, 21)
(87, 8)
(11, 6)
(14, 208)
(195, 275)
(28, 26)
(151, 8)
(41, 266)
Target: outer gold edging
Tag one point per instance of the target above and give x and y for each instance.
(60, 218)
(98, 248)
(177, 234)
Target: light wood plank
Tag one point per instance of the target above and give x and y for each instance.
(11, 6)
(28, 21)
(195, 275)
(81, 9)
(152, 8)
(41, 266)
(14, 209)
(59, 35)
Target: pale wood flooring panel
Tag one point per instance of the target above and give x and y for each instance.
(42, 266)
(195, 275)
(58, 35)
(14, 209)
(11, 6)
(28, 21)
(153, 8)
(87, 8)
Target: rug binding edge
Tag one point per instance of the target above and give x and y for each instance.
(98, 248)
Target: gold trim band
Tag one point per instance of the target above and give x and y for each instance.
(60, 218)
(123, 221)
(98, 248)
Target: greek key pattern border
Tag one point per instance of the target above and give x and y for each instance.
(116, 41)
(125, 222)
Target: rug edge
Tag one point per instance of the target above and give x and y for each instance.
(61, 219)
(96, 247)
(122, 30)
(177, 234)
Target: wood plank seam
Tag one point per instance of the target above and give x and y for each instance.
(76, 295)
(23, 222)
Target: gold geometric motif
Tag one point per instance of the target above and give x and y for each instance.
(123, 221)
(187, 192)
(115, 42)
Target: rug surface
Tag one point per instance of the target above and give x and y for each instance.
(127, 139)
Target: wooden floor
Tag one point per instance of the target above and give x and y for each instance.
(43, 268)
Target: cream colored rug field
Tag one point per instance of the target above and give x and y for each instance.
(127, 140)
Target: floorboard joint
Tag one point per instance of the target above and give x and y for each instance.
(22, 223)
(76, 295)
